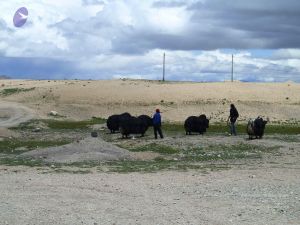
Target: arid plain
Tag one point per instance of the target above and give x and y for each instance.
(177, 100)
(53, 172)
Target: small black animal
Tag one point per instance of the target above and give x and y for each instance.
(113, 122)
(256, 128)
(197, 124)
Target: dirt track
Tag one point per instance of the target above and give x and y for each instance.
(12, 114)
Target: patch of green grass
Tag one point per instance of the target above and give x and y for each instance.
(58, 124)
(136, 166)
(270, 128)
(156, 165)
(72, 171)
(195, 158)
(152, 166)
(10, 146)
(224, 128)
(18, 161)
(11, 91)
(282, 129)
(171, 159)
(28, 125)
(178, 128)
(173, 128)
(153, 147)
(221, 128)
(226, 152)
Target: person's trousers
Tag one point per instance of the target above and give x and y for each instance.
(232, 128)
(157, 128)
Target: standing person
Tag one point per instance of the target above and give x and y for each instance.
(157, 124)
(234, 114)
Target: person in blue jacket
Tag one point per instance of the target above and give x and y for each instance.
(157, 124)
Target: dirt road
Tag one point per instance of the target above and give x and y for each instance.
(12, 114)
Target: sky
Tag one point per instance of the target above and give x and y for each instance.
(112, 39)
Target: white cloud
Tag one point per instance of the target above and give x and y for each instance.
(286, 54)
(199, 66)
(117, 38)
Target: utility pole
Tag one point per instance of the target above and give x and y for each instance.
(232, 69)
(164, 67)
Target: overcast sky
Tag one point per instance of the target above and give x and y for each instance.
(104, 39)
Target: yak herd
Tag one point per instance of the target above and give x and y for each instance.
(127, 124)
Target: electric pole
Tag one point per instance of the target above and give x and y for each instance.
(232, 69)
(164, 66)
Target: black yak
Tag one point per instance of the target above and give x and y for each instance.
(256, 128)
(197, 124)
(147, 119)
(133, 125)
(113, 122)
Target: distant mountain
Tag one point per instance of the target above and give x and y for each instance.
(3, 77)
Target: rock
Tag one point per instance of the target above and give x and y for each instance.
(53, 113)
(52, 166)
(21, 149)
(94, 134)
(37, 129)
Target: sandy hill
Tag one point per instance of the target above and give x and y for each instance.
(78, 99)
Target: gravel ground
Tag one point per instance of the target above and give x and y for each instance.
(260, 194)
(85, 150)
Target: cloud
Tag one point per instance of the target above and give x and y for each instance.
(169, 4)
(286, 54)
(117, 38)
(180, 65)
(135, 27)
(92, 2)
(244, 25)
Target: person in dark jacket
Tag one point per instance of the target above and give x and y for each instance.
(157, 124)
(234, 114)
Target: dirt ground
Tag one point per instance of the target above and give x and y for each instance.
(177, 100)
(247, 191)
(12, 114)
(256, 194)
